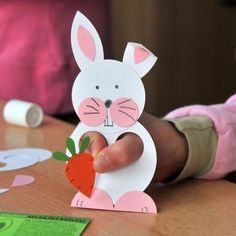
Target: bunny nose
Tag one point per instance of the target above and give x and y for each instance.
(108, 103)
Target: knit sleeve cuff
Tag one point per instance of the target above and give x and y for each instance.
(202, 141)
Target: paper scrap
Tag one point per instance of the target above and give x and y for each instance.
(4, 190)
(21, 180)
(22, 157)
(26, 224)
(17, 161)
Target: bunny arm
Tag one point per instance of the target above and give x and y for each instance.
(135, 177)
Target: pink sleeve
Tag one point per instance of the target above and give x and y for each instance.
(224, 119)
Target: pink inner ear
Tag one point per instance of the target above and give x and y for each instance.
(86, 42)
(140, 55)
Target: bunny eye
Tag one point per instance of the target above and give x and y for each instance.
(116, 86)
(97, 87)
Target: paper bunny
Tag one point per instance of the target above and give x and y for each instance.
(109, 97)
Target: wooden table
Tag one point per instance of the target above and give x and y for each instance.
(194, 207)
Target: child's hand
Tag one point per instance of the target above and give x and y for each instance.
(171, 145)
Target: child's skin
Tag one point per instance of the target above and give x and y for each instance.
(171, 145)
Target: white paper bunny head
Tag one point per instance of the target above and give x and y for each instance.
(107, 94)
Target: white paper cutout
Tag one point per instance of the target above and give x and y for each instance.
(143, 66)
(134, 177)
(22, 157)
(80, 57)
(109, 81)
(119, 74)
(4, 190)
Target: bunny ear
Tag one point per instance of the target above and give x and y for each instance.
(85, 41)
(139, 57)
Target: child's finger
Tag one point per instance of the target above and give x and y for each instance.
(97, 142)
(119, 154)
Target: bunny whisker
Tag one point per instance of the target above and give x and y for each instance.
(131, 108)
(127, 114)
(95, 102)
(124, 101)
(91, 113)
(92, 107)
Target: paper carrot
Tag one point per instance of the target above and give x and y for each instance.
(79, 167)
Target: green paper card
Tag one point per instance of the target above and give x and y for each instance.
(14, 224)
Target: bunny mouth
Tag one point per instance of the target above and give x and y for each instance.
(108, 122)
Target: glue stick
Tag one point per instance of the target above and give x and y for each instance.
(22, 113)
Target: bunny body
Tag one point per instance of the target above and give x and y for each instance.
(109, 97)
(135, 177)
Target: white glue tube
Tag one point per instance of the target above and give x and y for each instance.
(23, 113)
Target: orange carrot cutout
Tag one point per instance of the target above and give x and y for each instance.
(79, 168)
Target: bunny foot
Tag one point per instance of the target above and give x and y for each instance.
(99, 200)
(136, 201)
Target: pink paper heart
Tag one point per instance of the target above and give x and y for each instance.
(21, 180)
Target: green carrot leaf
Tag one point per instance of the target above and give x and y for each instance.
(60, 156)
(71, 146)
(84, 144)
